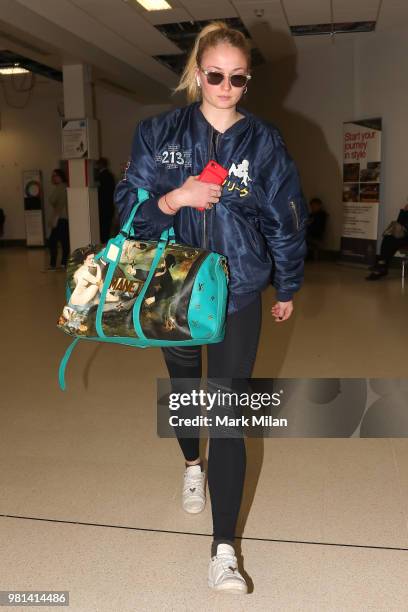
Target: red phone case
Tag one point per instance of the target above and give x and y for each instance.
(213, 173)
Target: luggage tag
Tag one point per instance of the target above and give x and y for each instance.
(112, 253)
(113, 250)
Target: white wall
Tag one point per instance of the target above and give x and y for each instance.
(308, 96)
(118, 116)
(382, 91)
(30, 139)
(354, 78)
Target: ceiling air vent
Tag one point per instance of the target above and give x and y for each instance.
(183, 35)
(9, 59)
(317, 29)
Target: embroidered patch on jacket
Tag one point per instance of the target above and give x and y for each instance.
(240, 171)
(173, 156)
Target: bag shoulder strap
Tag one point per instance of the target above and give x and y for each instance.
(64, 363)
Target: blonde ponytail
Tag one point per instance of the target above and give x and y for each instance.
(210, 36)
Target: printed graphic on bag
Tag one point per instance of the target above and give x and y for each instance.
(164, 309)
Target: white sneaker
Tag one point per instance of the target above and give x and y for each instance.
(223, 574)
(193, 500)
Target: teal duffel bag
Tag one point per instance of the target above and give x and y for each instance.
(144, 293)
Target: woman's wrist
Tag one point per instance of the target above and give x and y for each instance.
(169, 203)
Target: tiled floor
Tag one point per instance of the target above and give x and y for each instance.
(324, 521)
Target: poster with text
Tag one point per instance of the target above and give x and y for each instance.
(74, 139)
(33, 207)
(361, 190)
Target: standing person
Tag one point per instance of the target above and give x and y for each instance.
(259, 214)
(59, 221)
(106, 189)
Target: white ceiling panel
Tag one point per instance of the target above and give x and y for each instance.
(301, 12)
(68, 16)
(393, 13)
(128, 23)
(352, 10)
(270, 32)
(272, 12)
(75, 48)
(118, 38)
(209, 10)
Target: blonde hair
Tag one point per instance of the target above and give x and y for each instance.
(211, 35)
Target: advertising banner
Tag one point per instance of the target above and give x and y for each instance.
(361, 190)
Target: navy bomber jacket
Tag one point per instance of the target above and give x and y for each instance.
(259, 224)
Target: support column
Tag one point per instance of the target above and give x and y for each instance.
(82, 193)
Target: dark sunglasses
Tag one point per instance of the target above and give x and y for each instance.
(216, 78)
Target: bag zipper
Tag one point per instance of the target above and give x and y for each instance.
(222, 274)
(292, 204)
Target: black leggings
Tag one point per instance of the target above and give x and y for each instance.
(60, 233)
(234, 357)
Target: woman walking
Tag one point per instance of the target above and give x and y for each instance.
(257, 219)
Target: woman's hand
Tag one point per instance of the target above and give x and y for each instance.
(281, 311)
(196, 194)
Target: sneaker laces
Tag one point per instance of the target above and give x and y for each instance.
(192, 481)
(228, 563)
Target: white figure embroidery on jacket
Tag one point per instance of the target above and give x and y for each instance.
(241, 171)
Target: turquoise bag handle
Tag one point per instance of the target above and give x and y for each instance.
(142, 195)
(127, 230)
(161, 245)
(64, 363)
(113, 262)
(112, 254)
(172, 235)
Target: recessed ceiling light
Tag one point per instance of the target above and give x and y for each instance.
(154, 5)
(13, 70)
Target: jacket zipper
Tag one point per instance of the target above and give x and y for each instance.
(209, 157)
(205, 210)
(211, 153)
(293, 207)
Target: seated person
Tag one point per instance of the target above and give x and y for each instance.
(2, 221)
(316, 225)
(389, 246)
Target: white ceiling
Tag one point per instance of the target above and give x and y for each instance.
(118, 37)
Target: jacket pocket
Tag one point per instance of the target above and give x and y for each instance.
(254, 237)
(298, 213)
(256, 240)
(295, 214)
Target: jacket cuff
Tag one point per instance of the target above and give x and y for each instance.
(283, 296)
(153, 214)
